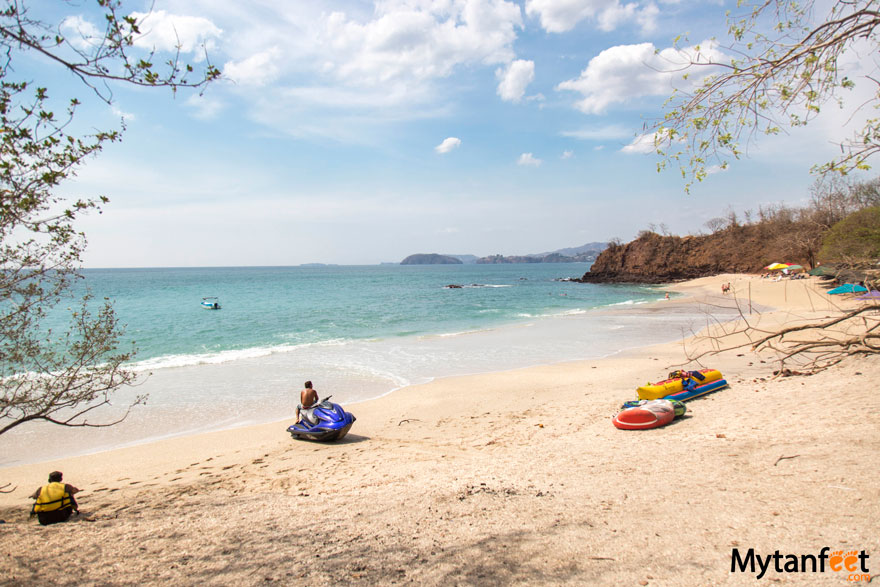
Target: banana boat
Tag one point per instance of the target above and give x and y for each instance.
(677, 382)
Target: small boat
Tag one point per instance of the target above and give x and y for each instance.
(211, 303)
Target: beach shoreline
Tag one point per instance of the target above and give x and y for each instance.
(498, 478)
(189, 399)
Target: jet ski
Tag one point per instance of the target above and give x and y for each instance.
(331, 423)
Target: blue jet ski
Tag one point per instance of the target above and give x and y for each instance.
(331, 423)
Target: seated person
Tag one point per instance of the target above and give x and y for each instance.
(308, 398)
(55, 500)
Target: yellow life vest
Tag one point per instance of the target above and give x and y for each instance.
(52, 497)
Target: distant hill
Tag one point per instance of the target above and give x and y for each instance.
(430, 259)
(589, 248)
(584, 254)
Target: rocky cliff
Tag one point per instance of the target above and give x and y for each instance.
(652, 258)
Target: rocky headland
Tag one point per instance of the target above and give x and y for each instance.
(653, 258)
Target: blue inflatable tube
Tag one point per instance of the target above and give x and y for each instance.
(697, 391)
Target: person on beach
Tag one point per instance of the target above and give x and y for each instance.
(308, 397)
(54, 501)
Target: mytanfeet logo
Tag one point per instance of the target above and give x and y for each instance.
(852, 564)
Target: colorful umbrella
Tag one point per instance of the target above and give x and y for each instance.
(847, 288)
(794, 267)
(775, 266)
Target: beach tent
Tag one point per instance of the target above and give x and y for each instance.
(847, 288)
(775, 266)
(823, 270)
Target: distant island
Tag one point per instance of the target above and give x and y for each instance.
(584, 254)
(549, 258)
(430, 259)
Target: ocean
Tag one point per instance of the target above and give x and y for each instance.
(358, 332)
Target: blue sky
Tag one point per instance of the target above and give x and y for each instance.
(362, 132)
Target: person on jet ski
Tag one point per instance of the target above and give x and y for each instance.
(308, 399)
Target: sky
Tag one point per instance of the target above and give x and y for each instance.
(357, 132)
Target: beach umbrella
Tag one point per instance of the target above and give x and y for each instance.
(775, 266)
(794, 267)
(871, 295)
(847, 288)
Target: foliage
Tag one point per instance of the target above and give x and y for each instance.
(854, 239)
(784, 69)
(59, 378)
(796, 233)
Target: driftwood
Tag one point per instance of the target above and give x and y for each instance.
(805, 347)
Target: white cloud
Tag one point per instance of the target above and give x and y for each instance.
(515, 80)
(417, 40)
(641, 145)
(625, 72)
(600, 133)
(166, 32)
(81, 33)
(567, 154)
(560, 16)
(257, 70)
(125, 116)
(527, 159)
(448, 145)
(203, 107)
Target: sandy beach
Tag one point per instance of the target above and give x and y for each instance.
(515, 477)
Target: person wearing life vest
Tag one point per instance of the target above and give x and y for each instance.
(55, 501)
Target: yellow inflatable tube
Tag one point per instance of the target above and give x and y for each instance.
(675, 383)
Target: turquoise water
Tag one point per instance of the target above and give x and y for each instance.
(356, 332)
(275, 308)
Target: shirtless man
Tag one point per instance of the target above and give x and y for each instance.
(308, 397)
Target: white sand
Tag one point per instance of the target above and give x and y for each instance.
(496, 479)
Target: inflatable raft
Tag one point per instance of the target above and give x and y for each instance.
(677, 383)
(691, 391)
(649, 414)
